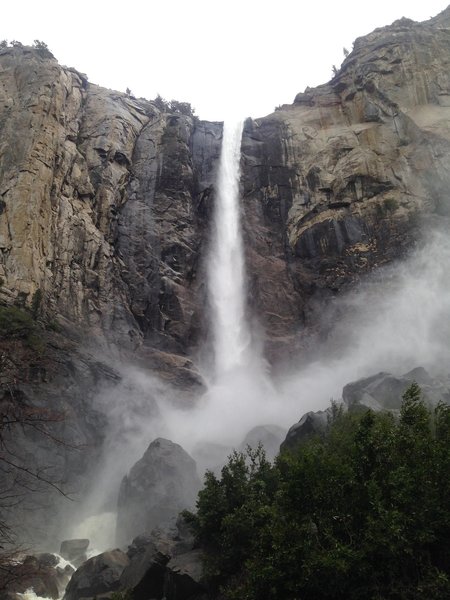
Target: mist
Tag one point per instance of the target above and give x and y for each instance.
(396, 320)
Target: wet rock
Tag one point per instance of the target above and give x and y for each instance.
(160, 485)
(98, 575)
(145, 574)
(39, 573)
(74, 551)
(184, 576)
(164, 564)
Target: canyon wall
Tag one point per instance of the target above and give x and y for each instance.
(106, 203)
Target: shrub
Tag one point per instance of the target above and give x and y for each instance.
(359, 512)
(17, 323)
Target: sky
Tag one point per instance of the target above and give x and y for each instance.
(227, 58)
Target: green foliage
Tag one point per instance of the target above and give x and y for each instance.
(17, 323)
(40, 45)
(3, 44)
(124, 595)
(358, 513)
(390, 204)
(173, 106)
(36, 302)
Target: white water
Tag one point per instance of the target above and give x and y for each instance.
(226, 273)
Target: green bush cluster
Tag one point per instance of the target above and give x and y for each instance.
(17, 323)
(361, 512)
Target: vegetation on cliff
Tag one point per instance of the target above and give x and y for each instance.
(360, 512)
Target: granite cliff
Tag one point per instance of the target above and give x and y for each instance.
(105, 205)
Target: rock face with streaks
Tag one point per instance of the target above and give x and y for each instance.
(106, 199)
(106, 202)
(102, 204)
(339, 182)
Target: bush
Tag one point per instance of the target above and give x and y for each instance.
(359, 512)
(17, 323)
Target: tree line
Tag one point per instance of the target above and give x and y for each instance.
(361, 512)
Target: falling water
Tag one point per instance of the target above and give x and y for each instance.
(226, 277)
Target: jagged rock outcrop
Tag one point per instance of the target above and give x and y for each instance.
(339, 182)
(159, 486)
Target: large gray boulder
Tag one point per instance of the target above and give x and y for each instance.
(384, 391)
(145, 575)
(98, 575)
(164, 564)
(159, 486)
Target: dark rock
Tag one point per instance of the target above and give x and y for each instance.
(145, 574)
(312, 423)
(39, 573)
(183, 577)
(164, 563)
(98, 575)
(160, 485)
(74, 551)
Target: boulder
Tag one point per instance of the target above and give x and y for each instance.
(159, 486)
(145, 574)
(183, 577)
(384, 391)
(39, 573)
(309, 425)
(98, 575)
(74, 551)
(164, 564)
(270, 436)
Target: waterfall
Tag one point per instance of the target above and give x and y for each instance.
(226, 274)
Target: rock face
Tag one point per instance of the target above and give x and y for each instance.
(102, 202)
(269, 436)
(160, 485)
(339, 182)
(105, 205)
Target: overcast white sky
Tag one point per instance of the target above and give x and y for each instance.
(224, 57)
